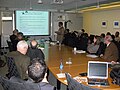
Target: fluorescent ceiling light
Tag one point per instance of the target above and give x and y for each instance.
(6, 18)
(101, 7)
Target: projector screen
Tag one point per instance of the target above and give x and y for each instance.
(33, 22)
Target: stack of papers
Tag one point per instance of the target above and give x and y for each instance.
(92, 56)
(80, 51)
(68, 62)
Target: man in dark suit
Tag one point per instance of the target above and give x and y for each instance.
(14, 39)
(111, 51)
(34, 52)
(21, 59)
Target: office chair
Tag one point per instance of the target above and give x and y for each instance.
(15, 85)
(74, 85)
(10, 45)
(50, 39)
(12, 68)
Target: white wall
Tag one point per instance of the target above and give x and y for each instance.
(0, 24)
(92, 21)
(77, 22)
(7, 28)
(6, 32)
(76, 19)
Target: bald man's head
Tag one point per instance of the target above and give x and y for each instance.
(33, 44)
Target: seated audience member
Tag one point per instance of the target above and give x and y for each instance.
(20, 36)
(14, 39)
(66, 37)
(83, 31)
(36, 71)
(21, 59)
(102, 37)
(117, 38)
(91, 39)
(93, 48)
(82, 42)
(111, 51)
(118, 46)
(108, 33)
(34, 52)
(113, 37)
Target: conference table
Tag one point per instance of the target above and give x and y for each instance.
(56, 53)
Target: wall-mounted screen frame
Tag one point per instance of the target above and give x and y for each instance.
(33, 23)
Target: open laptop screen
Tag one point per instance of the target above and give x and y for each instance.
(97, 70)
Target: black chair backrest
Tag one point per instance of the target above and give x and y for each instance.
(13, 85)
(10, 45)
(74, 85)
(50, 39)
(12, 68)
(118, 47)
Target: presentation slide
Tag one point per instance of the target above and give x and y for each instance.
(33, 22)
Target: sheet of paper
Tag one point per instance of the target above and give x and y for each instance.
(61, 75)
(80, 79)
(52, 43)
(92, 56)
(80, 51)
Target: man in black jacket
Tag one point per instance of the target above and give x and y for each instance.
(14, 39)
(34, 52)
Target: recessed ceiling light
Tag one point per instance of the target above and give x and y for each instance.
(57, 2)
(40, 2)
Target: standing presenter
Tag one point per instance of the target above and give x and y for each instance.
(60, 32)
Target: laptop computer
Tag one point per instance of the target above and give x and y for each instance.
(97, 73)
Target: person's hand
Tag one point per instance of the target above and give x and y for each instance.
(113, 62)
(101, 55)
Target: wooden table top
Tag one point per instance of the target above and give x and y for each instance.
(55, 53)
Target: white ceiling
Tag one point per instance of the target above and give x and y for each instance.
(48, 4)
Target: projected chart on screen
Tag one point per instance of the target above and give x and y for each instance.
(33, 22)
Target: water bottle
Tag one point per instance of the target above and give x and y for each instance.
(61, 66)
